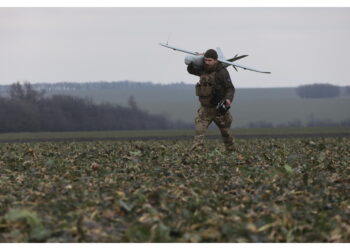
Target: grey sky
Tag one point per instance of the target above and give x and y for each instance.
(298, 45)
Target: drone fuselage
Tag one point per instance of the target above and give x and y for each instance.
(197, 61)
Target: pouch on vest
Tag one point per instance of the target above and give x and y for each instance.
(203, 90)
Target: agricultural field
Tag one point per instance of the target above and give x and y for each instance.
(166, 134)
(269, 190)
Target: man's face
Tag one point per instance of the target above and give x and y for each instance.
(209, 61)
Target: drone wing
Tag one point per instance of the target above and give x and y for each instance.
(242, 67)
(220, 54)
(182, 50)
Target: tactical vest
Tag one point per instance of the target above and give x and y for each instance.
(205, 88)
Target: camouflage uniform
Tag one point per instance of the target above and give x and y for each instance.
(212, 88)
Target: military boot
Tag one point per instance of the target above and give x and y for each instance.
(229, 143)
(198, 143)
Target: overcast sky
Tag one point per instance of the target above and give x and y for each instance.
(298, 45)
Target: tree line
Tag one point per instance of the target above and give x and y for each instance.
(26, 109)
(320, 90)
(101, 85)
(316, 90)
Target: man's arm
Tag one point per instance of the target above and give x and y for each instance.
(194, 71)
(225, 79)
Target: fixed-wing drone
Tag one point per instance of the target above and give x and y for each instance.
(197, 59)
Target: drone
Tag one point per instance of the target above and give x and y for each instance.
(197, 59)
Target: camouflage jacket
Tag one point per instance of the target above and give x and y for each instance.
(224, 88)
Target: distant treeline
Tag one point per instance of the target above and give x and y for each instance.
(347, 89)
(27, 110)
(69, 86)
(320, 90)
(316, 90)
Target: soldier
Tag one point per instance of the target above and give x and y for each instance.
(214, 85)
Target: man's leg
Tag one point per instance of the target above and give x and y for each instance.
(202, 121)
(224, 123)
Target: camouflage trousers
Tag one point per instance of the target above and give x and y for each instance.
(206, 115)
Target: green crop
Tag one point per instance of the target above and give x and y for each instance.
(270, 190)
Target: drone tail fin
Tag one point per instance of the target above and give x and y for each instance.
(236, 58)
